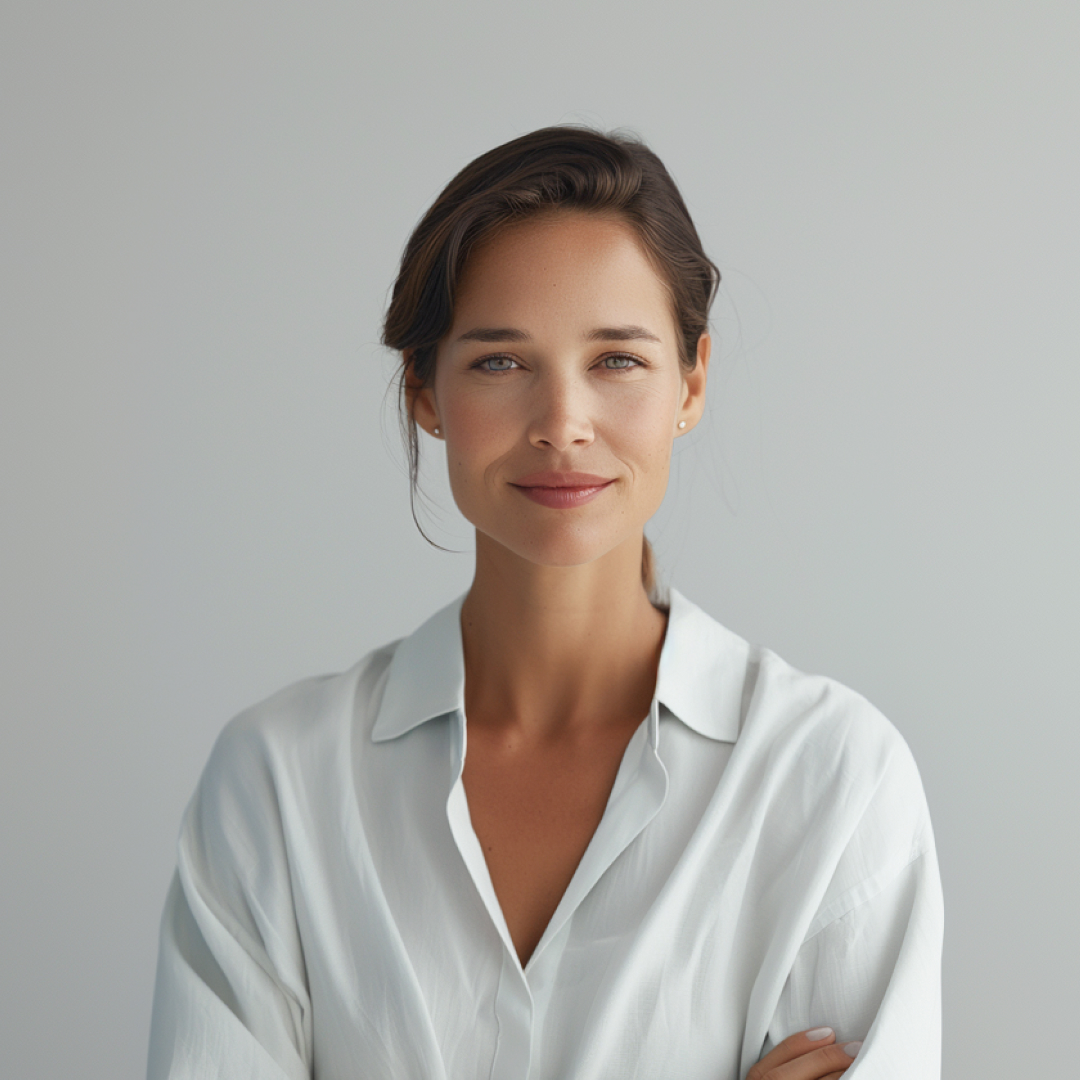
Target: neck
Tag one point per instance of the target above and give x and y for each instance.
(550, 649)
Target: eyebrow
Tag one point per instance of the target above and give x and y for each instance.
(623, 333)
(493, 334)
(604, 333)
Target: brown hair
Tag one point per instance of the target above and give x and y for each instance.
(571, 168)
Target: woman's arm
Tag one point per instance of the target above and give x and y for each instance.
(219, 1010)
(230, 998)
(867, 957)
(874, 973)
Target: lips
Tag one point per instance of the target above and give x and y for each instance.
(562, 480)
(562, 490)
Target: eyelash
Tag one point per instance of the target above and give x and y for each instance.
(636, 362)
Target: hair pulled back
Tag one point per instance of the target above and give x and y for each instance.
(553, 168)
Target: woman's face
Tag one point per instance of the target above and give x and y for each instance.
(563, 358)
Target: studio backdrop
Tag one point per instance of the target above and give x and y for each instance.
(205, 495)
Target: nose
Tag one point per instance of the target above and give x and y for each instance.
(560, 415)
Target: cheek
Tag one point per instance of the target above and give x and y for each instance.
(642, 427)
(479, 434)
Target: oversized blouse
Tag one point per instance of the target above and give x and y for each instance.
(764, 864)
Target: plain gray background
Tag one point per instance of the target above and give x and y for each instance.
(203, 206)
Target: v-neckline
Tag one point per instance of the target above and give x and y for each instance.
(636, 796)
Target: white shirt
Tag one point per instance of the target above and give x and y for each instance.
(765, 864)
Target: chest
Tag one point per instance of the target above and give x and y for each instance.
(534, 808)
(654, 954)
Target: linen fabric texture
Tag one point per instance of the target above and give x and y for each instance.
(765, 864)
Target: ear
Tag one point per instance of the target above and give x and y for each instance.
(693, 388)
(419, 398)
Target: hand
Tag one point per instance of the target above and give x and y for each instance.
(800, 1057)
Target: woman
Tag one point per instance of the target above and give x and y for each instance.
(651, 849)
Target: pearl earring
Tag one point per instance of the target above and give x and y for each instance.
(435, 431)
(682, 423)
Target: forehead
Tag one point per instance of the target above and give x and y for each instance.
(574, 263)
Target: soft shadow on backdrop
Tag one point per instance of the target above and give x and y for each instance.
(203, 494)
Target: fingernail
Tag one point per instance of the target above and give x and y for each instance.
(818, 1034)
(851, 1049)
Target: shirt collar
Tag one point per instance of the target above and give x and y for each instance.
(700, 680)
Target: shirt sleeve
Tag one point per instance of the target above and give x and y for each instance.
(869, 965)
(874, 973)
(230, 999)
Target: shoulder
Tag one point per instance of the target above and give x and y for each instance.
(303, 713)
(819, 715)
(731, 689)
(292, 747)
(811, 753)
(821, 746)
(277, 774)
(747, 693)
(832, 786)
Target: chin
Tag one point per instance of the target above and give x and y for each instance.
(568, 548)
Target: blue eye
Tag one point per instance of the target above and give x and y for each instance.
(498, 363)
(621, 363)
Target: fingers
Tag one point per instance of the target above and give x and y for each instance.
(794, 1046)
(806, 1055)
(829, 1061)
